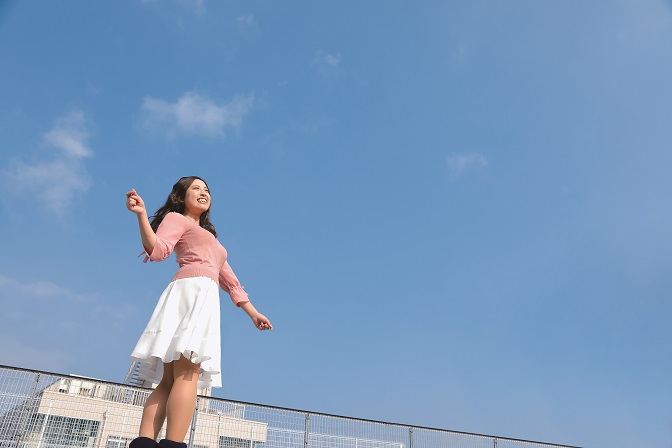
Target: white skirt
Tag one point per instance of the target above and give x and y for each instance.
(184, 322)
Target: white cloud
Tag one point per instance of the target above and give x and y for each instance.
(58, 179)
(245, 20)
(17, 352)
(34, 310)
(246, 24)
(194, 114)
(460, 52)
(70, 135)
(42, 290)
(198, 5)
(459, 163)
(326, 60)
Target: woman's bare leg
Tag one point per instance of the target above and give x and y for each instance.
(182, 398)
(154, 412)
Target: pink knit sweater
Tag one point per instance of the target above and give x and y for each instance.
(198, 253)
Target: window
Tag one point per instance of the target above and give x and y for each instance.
(113, 393)
(64, 386)
(117, 442)
(60, 432)
(232, 442)
(87, 389)
(77, 387)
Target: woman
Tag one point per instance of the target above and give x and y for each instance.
(180, 347)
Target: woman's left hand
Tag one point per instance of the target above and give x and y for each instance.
(261, 322)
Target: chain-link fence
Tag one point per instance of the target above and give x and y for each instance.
(46, 410)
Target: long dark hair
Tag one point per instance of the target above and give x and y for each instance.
(175, 203)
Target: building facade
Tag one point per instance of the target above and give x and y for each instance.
(47, 410)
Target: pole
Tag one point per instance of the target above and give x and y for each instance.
(306, 431)
(44, 424)
(192, 431)
(24, 419)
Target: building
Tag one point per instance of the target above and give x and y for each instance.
(82, 412)
(47, 410)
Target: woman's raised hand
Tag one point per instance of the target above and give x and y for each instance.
(135, 203)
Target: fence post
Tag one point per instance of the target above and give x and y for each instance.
(24, 419)
(306, 431)
(494, 442)
(44, 423)
(192, 431)
(102, 429)
(410, 437)
(123, 422)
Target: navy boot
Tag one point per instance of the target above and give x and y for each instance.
(143, 442)
(165, 443)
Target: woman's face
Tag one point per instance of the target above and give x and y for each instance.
(197, 198)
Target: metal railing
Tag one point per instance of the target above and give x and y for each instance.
(48, 410)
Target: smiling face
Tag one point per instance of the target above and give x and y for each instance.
(196, 199)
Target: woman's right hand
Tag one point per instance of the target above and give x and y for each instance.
(135, 203)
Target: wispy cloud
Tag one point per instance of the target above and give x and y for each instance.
(35, 309)
(326, 60)
(197, 5)
(247, 25)
(194, 114)
(459, 163)
(21, 353)
(38, 290)
(70, 136)
(63, 175)
(460, 53)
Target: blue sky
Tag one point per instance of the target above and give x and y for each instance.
(456, 214)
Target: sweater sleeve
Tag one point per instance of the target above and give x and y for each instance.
(229, 283)
(168, 234)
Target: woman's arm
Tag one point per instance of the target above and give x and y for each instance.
(136, 205)
(260, 321)
(229, 283)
